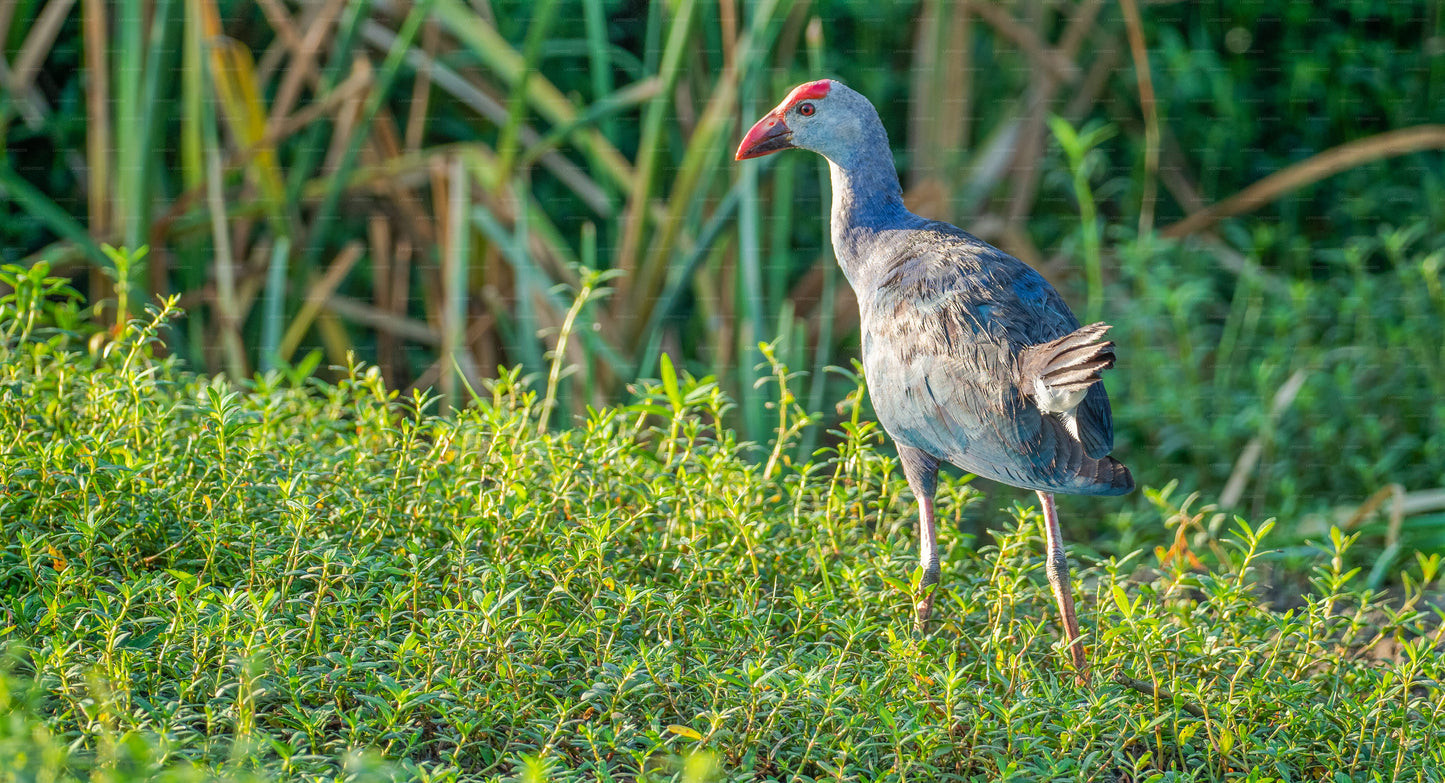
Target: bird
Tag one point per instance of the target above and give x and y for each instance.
(971, 357)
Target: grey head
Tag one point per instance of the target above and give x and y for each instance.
(826, 117)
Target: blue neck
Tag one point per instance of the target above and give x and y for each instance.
(867, 200)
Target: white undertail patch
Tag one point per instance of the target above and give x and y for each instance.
(1051, 400)
(1060, 403)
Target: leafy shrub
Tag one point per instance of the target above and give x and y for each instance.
(270, 578)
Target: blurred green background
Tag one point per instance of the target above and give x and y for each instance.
(1253, 193)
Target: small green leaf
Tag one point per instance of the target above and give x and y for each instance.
(683, 731)
(669, 381)
(143, 641)
(1186, 732)
(1122, 601)
(897, 584)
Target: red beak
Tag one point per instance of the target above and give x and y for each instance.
(769, 135)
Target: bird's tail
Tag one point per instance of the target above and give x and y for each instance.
(1107, 476)
(1071, 363)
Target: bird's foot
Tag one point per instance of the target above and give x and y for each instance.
(924, 608)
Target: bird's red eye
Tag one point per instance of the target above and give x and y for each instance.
(806, 109)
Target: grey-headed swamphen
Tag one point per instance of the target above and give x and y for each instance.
(971, 356)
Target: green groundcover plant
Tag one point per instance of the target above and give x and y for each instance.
(279, 578)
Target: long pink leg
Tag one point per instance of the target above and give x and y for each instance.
(921, 470)
(1057, 567)
(927, 558)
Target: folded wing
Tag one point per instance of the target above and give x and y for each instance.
(974, 358)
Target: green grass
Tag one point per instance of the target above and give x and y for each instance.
(275, 581)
